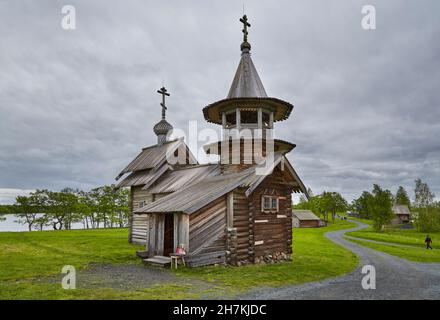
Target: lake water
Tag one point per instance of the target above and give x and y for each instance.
(10, 225)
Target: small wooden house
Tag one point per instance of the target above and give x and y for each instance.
(305, 219)
(401, 214)
(236, 211)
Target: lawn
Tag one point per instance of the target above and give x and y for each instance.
(416, 254)
(314, 258)
(412, 240)
(31, 262)
(410, 237)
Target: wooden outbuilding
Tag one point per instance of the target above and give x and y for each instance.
(401, 214)
(236, 211)
(306, 219)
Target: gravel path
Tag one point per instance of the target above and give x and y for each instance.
(395, 278)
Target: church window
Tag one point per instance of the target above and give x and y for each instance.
(269, 204)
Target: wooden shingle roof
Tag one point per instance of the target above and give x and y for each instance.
(198, 186)
(152, 162)
(400, 209)
(177, 179)
(304, 215)
(196, 196)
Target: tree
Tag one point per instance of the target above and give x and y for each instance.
(61, 208)
(427, 218)
(402, 197)
(107, 205)
(361, 205)
(332, 202)
(29, 209)
(303, 203)
(310, 192)
(423, 195)
(380, 207)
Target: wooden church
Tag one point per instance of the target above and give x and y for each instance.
(236, 211)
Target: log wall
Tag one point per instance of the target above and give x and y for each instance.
(242, 224)
(272, 231)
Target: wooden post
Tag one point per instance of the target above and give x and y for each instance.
(152, 235)
(251, 249)
(184, 231)
(271, 120)
(260, 118)
(130, 217)
(160, 234)
(223, 125)
(230, 210)
(176, 230)
(238, 119)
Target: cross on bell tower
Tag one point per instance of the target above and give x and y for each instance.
(246, 24)
(162, 128)
(163, 91)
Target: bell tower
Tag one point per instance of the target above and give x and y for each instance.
(247, 114)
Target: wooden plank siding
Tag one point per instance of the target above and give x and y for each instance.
(139, 223)
(207, 235)
(309, 224)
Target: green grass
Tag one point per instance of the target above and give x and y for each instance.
(410, 237)
(410, 253)
(30, 261)
(40, 253)
(413, 240)
(314, 258)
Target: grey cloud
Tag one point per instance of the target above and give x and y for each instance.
(77, 106)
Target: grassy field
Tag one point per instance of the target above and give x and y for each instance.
(413, 243)
(30, 265)
(410, 253)
(314, 258)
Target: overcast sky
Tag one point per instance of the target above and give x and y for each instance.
(76, 106)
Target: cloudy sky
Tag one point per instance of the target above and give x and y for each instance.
(76, 106)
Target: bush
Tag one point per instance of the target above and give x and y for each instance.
(427, 219)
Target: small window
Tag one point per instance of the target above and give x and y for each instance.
(266, 119)
(266, 203)
(269, 203)
(141, 204)
(274, 203)
(248, 116)
(231, 119)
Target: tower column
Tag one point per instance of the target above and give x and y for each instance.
(260, 118)
(271, 120)
(238, 119)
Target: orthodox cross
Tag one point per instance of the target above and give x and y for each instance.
(164, 93)
(245, 26)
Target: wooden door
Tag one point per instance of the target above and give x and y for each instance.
(168, 237)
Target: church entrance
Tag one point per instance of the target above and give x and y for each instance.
(168, 237)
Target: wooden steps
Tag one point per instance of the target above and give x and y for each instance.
(142, 254)
(158, 261)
